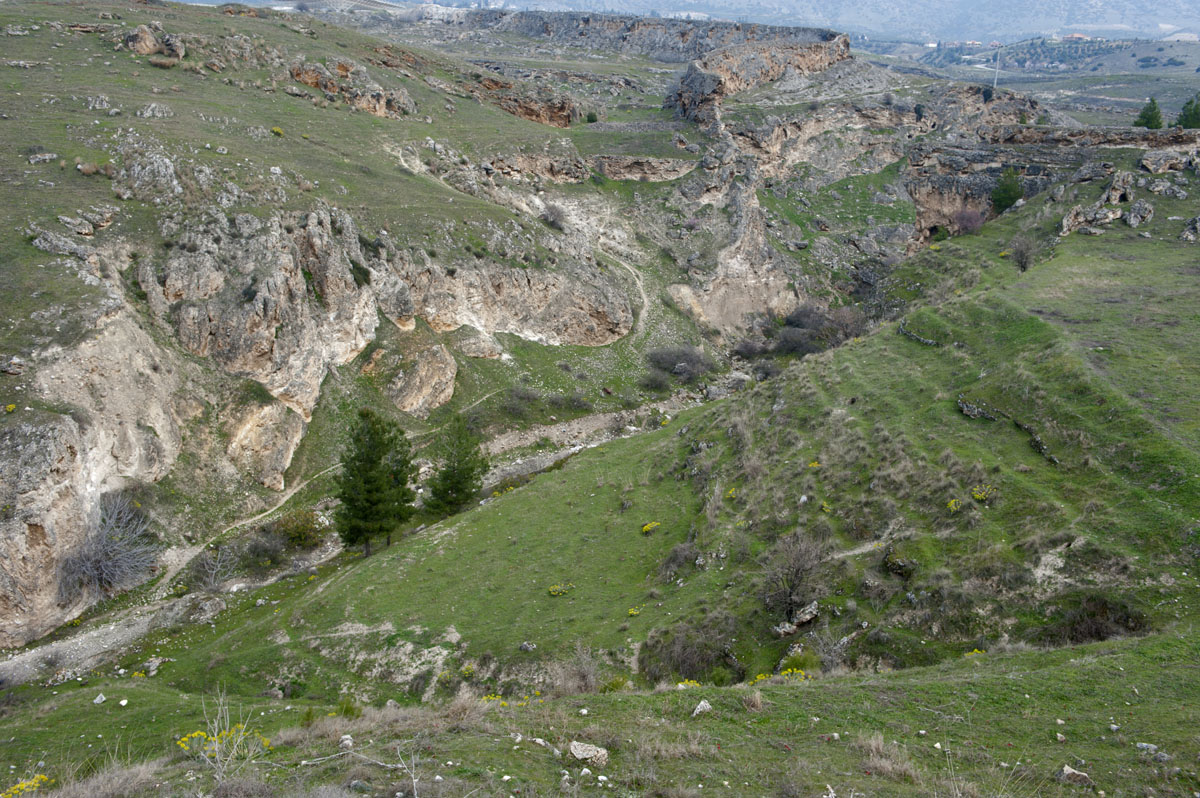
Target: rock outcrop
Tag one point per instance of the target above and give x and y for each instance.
(278, 301)
(1139, 213)
(262, 441)
(126, 427)
(1191, 231)
(349, 82)
(625, 167)
(427, 384)
(728, 71)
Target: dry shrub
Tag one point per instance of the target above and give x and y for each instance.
(117, 553)
(753, 701)
(694, 649)
(578, 674)
(682, 555)
(789, 568)
(1023, 250)
(116, 780)
(465, 712)
(968, 220)
(888, 760)
(555, 216)
(688, 363)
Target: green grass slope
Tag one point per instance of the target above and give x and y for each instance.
(1063, 508)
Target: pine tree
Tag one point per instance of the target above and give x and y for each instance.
(1007, 191)
(374, 484)
(1190, 115)
(461, 475)
(1150, 117)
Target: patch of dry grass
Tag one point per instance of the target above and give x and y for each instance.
(887, 760)
(116, 780)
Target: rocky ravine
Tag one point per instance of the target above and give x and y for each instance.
(279, 300)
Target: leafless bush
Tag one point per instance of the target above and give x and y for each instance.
(749, 348)
(753, 701)
(213, 567)
(655, 380)
(578, 674)
(693, 649)
(118, 552)
(788, 571)
(555, 216)
(968, 220)
(1023, 251)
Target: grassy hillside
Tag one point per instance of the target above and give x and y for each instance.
(953, 547)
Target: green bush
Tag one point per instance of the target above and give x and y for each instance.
(300, 528)
(807, 661)
(1150, 116)
(348, 709)
(1093, 616)
(1007, 191)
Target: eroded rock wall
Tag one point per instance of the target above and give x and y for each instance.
(728, 71)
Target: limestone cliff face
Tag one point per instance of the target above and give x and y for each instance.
(734, 69)
(281, 301)
(574, 305)
(125, 427)
(278, 301)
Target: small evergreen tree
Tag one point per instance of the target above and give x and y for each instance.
(1150, 117)
(1007, 191)
(1190, 115)
(374, 483)
(461, 475)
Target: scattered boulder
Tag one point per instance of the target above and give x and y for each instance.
(1091, 217)
(346, 743)
(1120, 190)
(100, 699)
(43, 157)
(173, 47)
(155, 111)
(1158, 162)
(802, 616)
(13, 366)
(1191, 231)
(141, 41)
(594, 755)
(702, 707)
(207, 610)
(1139, 213)
(1168, 189)
(1069, 775)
